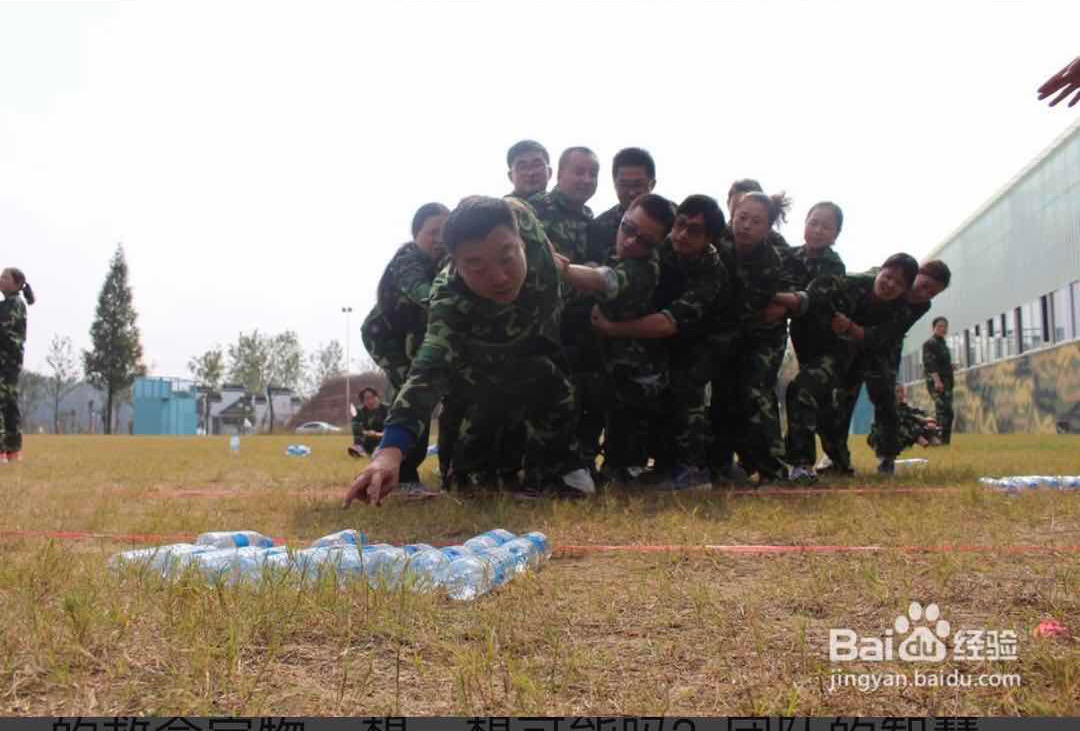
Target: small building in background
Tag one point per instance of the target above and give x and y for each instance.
(165, 406)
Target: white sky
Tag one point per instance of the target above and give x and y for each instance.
(261, 162)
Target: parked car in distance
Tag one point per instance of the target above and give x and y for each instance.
(317, 427)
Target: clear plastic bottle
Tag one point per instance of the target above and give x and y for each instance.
(347, 537)
(383, 564)
(467, 577)
(234, 444)
(543, 546)
(426, 568)
(234, 539)
(235, 564)
(165, 559)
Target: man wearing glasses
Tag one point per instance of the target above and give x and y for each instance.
(529, 170)
(634, 173)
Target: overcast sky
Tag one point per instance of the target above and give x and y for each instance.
(261, 163)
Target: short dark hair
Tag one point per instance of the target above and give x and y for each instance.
(424, 212)
(634, 157)
(909, 268)
(520, 148)
(657, 207)
(938, 319)
(570, 151)
(837, 213)
(367, 389)
(744, 185)
(776, 204)
(937, 269)
(707, 206)
(474, 218)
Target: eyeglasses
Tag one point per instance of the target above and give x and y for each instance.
(630, 229)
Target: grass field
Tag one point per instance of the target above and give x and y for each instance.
(670, 633)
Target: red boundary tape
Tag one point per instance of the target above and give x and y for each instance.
(572, 550)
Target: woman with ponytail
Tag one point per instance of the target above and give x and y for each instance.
(12, 343)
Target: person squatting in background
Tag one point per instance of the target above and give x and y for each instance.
(17, 295)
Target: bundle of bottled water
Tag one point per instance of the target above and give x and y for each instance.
(1016, 483)
(298, 450)
(465, 572)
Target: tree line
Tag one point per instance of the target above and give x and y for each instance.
(260, 362)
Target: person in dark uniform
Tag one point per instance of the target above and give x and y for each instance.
(938, 365)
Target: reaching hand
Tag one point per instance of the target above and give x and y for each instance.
(774, 312)
(840, 323)
(378, 479)
(1067, 81)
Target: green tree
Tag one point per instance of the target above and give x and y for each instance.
(262, 363)
(327, 362)
(63, 375)
(115, 358)
(32, 391)
(208, 370)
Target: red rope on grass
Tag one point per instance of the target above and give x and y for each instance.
(585, 549)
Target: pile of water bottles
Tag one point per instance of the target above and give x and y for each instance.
(464, 572)
(1018, 483)
(298, 450)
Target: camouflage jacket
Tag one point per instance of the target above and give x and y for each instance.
(937, 359)
(756, 276)
(692, 294)
(12, 332)
(468, 335)
(566, 225)
(602, 232)
(371, 419)
(807, 268)
(850, 295)
(529, 201)
(629, 295)
(394, 328)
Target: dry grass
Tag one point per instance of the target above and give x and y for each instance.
(599, 634)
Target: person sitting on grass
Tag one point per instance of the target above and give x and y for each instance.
(493, 334)
(367, 423)
(916, 426)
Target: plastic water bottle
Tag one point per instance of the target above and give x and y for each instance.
(234, 444)
(233, 564)
(234, 539)
(543, 546)
(165, 559)
(467, 578)
(414, 548)
(525, 548)
(298, 450)
(347, 537)
(490, 539)
(455, 552)
(505, 564)
(427, 568)
(383, 564)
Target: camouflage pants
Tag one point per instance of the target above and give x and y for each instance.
(687, 420)
(812, 392)
(397, 374)
(10, 420)
(636, 395)
(908, 433)
(879, 375)
(744, 411)
(592, 396)
(532, 392)
(943, 410)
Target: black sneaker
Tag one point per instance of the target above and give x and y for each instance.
(887, 466)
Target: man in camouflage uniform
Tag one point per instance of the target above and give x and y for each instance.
(493, 332)
(863, 301)
(395, 327)
(937, 363)
(693, 287)
(529, 170)
(635, 368)
(12, 344)
(566, 219)
(367, 423)
(876, 365)
(634, 174)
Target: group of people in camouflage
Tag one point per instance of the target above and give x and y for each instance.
(651, 335)
(17, 295)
